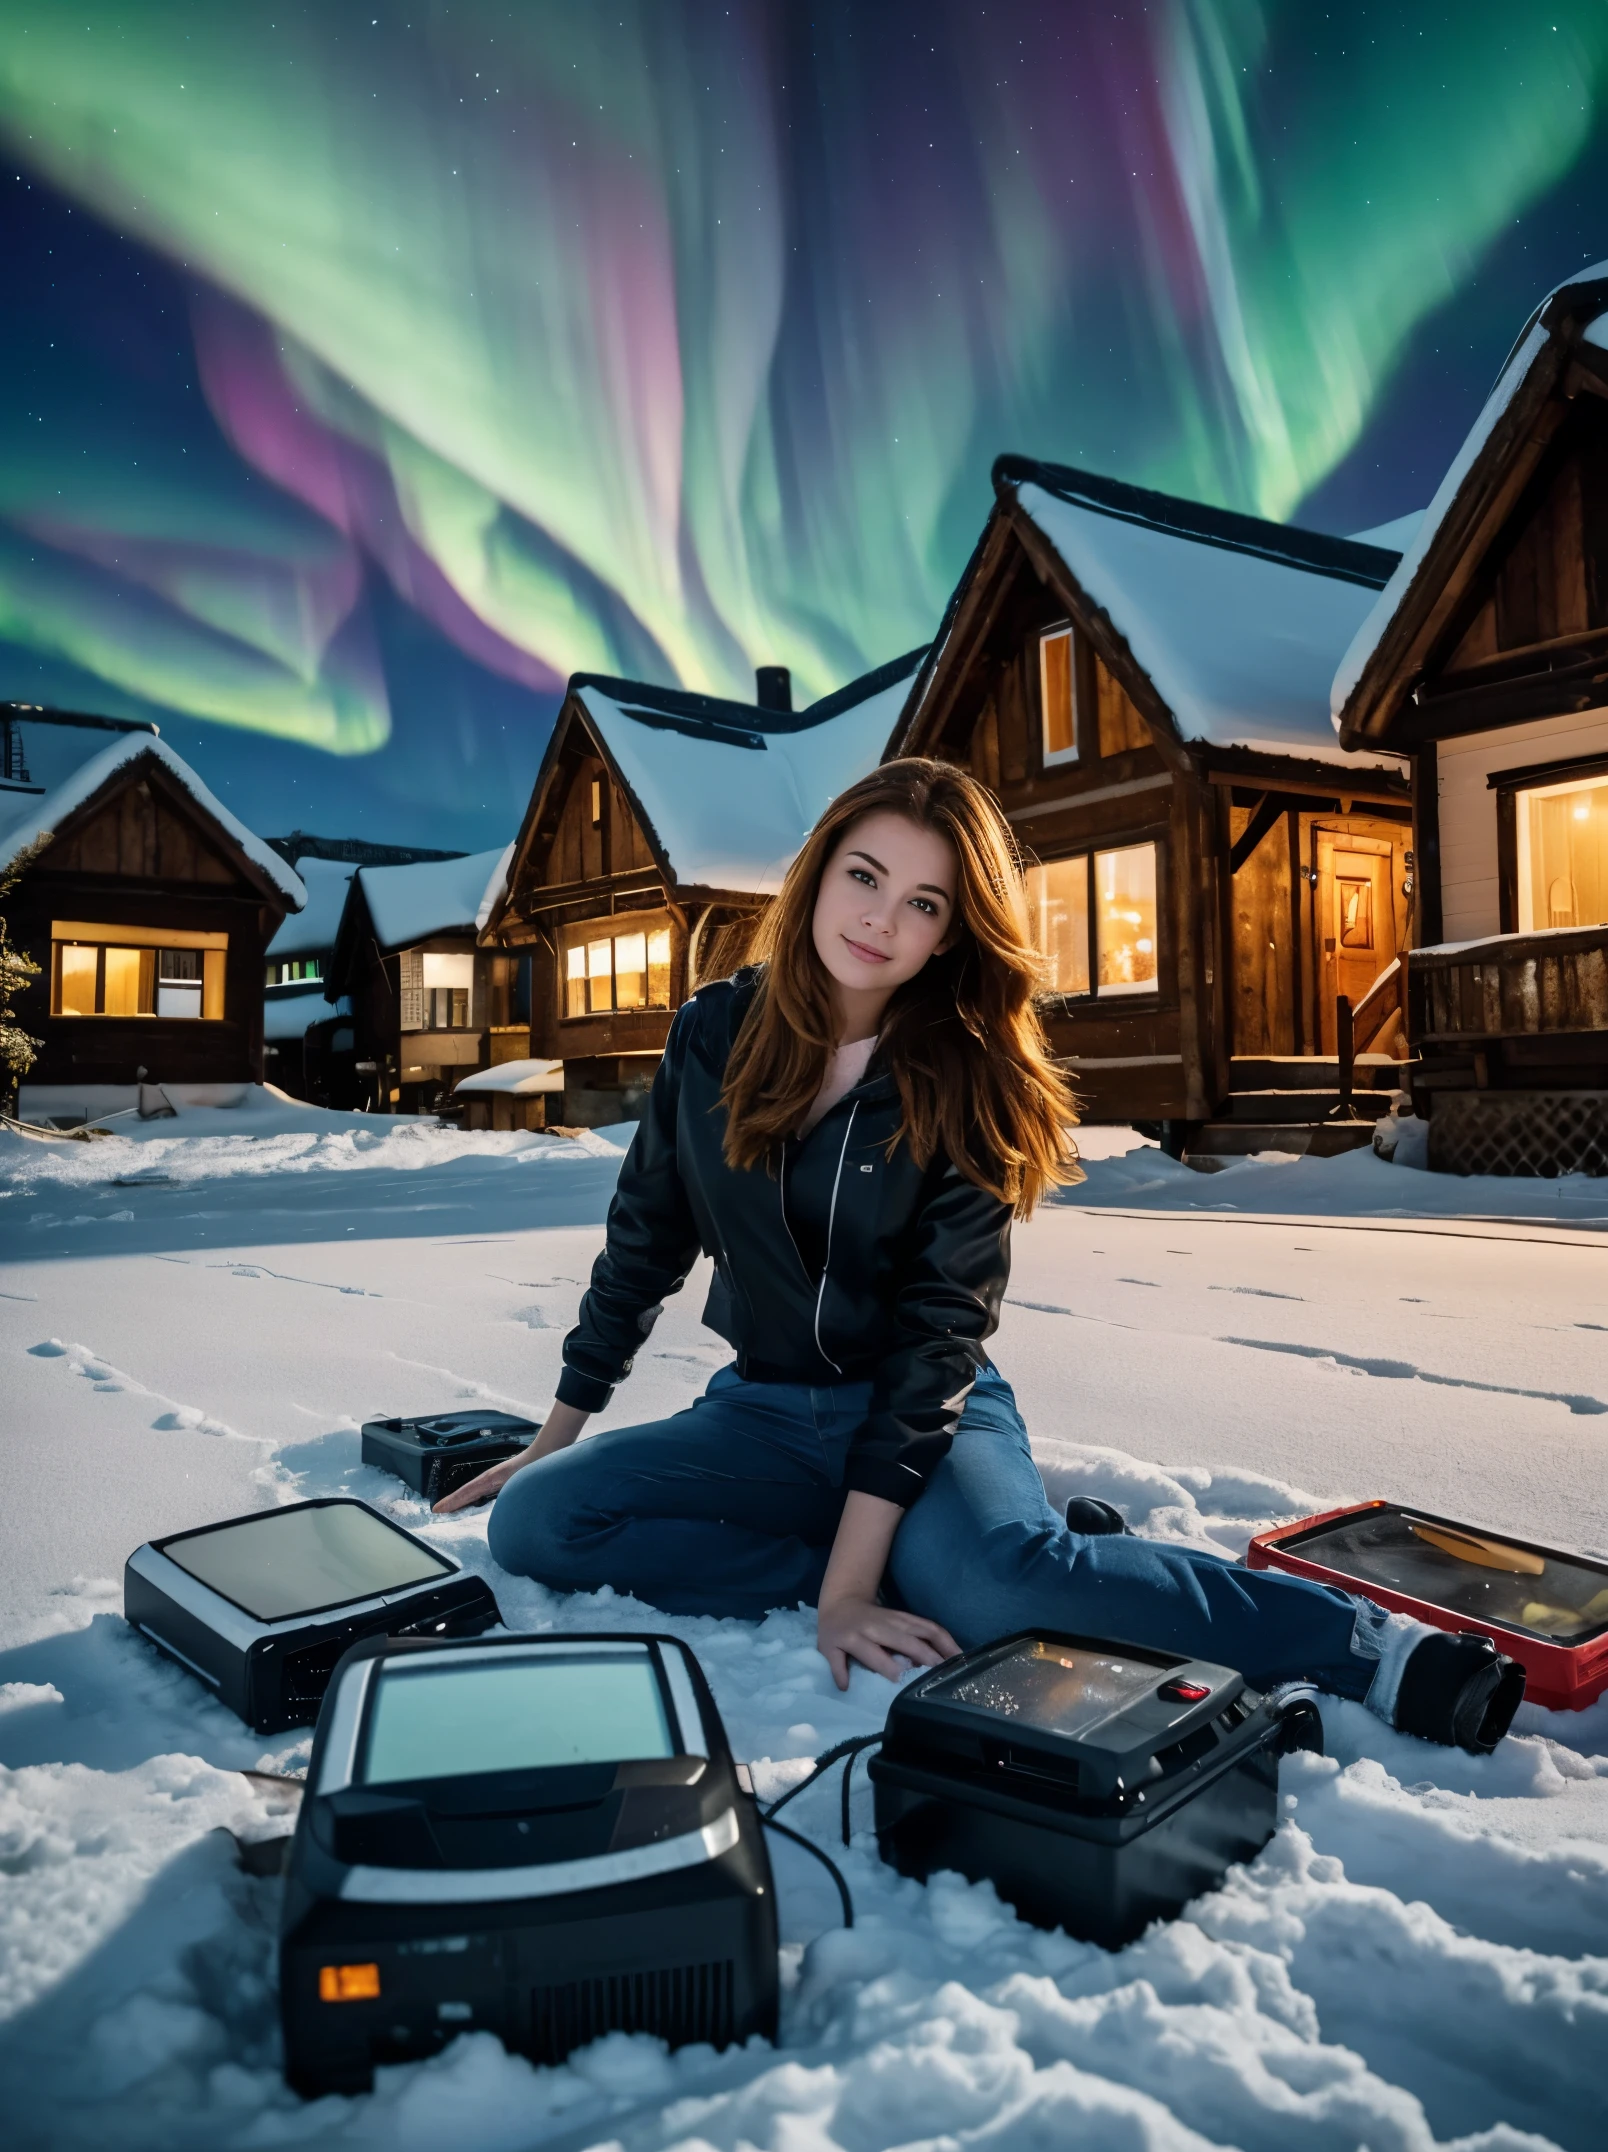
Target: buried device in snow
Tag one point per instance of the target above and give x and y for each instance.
(1096, 1786)
(540, 1837)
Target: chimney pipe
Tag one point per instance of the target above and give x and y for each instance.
(773, 687)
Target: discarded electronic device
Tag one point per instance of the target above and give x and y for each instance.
(262, 1607)
(541, 1837)
(1545, 1608)
(1096, 1786)
(437, 1454)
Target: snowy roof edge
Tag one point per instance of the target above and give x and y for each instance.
(1552, 321)
(91, 776)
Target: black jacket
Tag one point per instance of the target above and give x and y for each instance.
(915, 1262)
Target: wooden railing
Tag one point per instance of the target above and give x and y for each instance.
(1510, 986)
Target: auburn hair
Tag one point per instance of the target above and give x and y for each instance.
(962, 1039)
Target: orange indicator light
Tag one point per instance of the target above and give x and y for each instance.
(348, 1983)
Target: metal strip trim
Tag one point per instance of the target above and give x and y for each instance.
(346, 1720)
(683, 1696)
(554, 1879)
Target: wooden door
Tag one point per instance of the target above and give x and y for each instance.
(1354, 919)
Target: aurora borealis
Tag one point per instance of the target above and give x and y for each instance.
(370, 368)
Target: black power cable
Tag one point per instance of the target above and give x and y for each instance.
(825, 1859)
(824, 1762)
(841, 1752)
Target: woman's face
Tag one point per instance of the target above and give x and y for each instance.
(885, 905)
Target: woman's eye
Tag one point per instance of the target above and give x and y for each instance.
(923, 905)
(860, 875)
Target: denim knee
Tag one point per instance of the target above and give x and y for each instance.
(527, 1532)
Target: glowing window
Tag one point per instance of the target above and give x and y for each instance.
(1562, 833)
(76, 972)
(659, 968)
(1057, 699)
(1058, 901)
(1125, 919)
(628, 970)
(1094, 921)
(136, 971)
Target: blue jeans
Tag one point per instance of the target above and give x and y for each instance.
(730, 1507)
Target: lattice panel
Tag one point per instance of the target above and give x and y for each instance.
(1535, 1133)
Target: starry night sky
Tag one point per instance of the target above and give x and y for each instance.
(370, 368)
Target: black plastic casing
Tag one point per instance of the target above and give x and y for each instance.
(439, 1452)
(688, 1953)
(273, 1674)
(1099, 1834)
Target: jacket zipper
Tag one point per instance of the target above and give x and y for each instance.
(787, 1223)
(831, 1217)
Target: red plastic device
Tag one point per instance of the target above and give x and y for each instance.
(1562, 1675)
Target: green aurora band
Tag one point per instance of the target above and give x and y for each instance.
(680, 341)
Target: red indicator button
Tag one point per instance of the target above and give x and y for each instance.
(1184, 1692)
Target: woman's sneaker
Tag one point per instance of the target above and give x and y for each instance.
(1087, 1514)
(1458, 1690)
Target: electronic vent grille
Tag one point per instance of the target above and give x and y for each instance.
(306, 1673)
(678, 2003)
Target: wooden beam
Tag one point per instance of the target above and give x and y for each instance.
(1264, 815)
(1426, 845)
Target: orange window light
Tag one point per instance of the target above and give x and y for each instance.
(348, 1983)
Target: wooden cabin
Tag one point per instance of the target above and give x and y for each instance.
(310, 1045)
(429, 1003)
(1486, 661)
(660, 826)
(148, 913)
(1144, 683)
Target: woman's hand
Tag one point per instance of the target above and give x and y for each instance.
(560, 1428)
(860, 1629)
(486, 1484)
(850, 1623)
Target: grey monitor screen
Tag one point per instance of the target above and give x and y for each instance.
(447, 1716)
(293, 1561)
(1054, 1688)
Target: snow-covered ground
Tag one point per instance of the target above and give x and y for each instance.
(195, 1316)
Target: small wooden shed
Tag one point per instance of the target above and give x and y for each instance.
(148, 913)
(661, 824)
(1486, 661)
(1144, 681)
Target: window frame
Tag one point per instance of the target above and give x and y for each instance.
(1059, 758)
(614, 927)
(103, 936)
(1508, 785)
(1111, 997)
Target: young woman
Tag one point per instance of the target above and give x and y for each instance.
(848, 1128)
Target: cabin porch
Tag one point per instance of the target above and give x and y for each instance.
(1512, 1038)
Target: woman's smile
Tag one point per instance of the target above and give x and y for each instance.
(866, 952)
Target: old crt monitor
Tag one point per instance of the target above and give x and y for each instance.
(1097, 1786)
(441, 1451)
(260, 1608)
(540, 1837)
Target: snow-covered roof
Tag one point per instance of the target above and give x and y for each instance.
(312, 930)
(1576, 310)
(726, 803)
(1238, 623)
(516, 1079)
(433, 896)
(287, 1015)
(82, 759)
(1396, 535)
